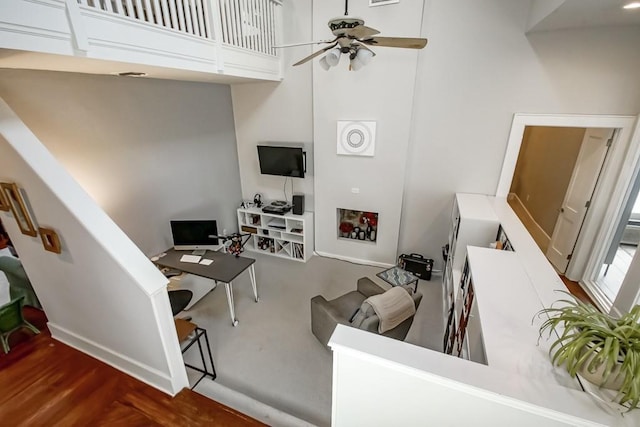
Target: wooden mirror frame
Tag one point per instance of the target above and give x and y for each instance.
(4, 203)
(12, 194)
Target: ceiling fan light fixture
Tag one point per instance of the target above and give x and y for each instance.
(364, 56)
(356, 64)
(333, 57)
(324, 64)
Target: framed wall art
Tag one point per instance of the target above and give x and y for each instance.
(4, 203)
(382, 2)
(50, 240)
(11, 193)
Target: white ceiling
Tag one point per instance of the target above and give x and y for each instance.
(587, 13)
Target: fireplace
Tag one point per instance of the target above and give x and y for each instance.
(357, 225)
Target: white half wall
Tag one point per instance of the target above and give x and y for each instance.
(477, 71)
(101, 294)
(146, 150)
(380, 381)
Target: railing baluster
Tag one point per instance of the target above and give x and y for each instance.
(206, 15)
(200, 8)
(117, 7)
(156, 12)
(146, 11)
(138, 11)
(234, 22)
(263, 20)
(128, 10)
(244, 26)
(276, 22)
(187, 16)
(223, 19)
(197, 21)
(256, 25)
(174, 17)
(106, 5)
(272, 34)
(180, 13)
(166, 20)
(227, 17)
(191, 15)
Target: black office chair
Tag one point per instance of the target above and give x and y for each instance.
(179, 300)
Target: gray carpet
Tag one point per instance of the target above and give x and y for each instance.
(272, 356)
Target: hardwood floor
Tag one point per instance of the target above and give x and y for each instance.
(45, 382)
(576, 290)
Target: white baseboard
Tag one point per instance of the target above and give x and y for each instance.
(146, 374)
(353, 260)
(247, 405)
(539, 231)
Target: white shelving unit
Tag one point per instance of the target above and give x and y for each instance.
(473, 223)
(288, 236)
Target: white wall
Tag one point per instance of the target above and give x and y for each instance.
(146, 150)
(382, 91)
(278, 112)
(101, 294)
(477, 71)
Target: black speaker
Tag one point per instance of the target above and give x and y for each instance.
(298, 204)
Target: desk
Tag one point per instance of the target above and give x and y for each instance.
(225, 268)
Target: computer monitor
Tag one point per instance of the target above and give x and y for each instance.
(189, 235)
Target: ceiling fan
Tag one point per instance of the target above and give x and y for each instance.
(353, 38)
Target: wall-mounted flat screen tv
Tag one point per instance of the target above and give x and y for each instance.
(190, 235)
(283, 161)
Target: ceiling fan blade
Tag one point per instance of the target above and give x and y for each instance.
(361, 32)
(404, 42)
(313, 55)
(304, 43)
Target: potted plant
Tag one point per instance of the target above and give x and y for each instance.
(603, 349)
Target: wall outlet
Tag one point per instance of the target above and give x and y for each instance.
(355, 190)
(224, 231)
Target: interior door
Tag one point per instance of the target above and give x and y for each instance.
(574, 208)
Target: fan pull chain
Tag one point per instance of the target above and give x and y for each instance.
(346, 7)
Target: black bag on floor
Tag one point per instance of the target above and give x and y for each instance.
(416, 264)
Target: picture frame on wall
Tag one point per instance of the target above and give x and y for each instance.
(4, 203)
(17, 205)
(50, 240)
(382, 2)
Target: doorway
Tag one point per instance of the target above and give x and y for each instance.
(596, 230)
(554, 180)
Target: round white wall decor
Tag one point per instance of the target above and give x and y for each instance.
(356, 138)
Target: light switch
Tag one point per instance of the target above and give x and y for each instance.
(355, 190)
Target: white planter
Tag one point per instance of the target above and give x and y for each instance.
(615, 380)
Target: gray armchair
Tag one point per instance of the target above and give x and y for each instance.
(326, 315)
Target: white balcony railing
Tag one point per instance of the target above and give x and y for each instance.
(246, 24)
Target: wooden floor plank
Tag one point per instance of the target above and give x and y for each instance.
(45, 382)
